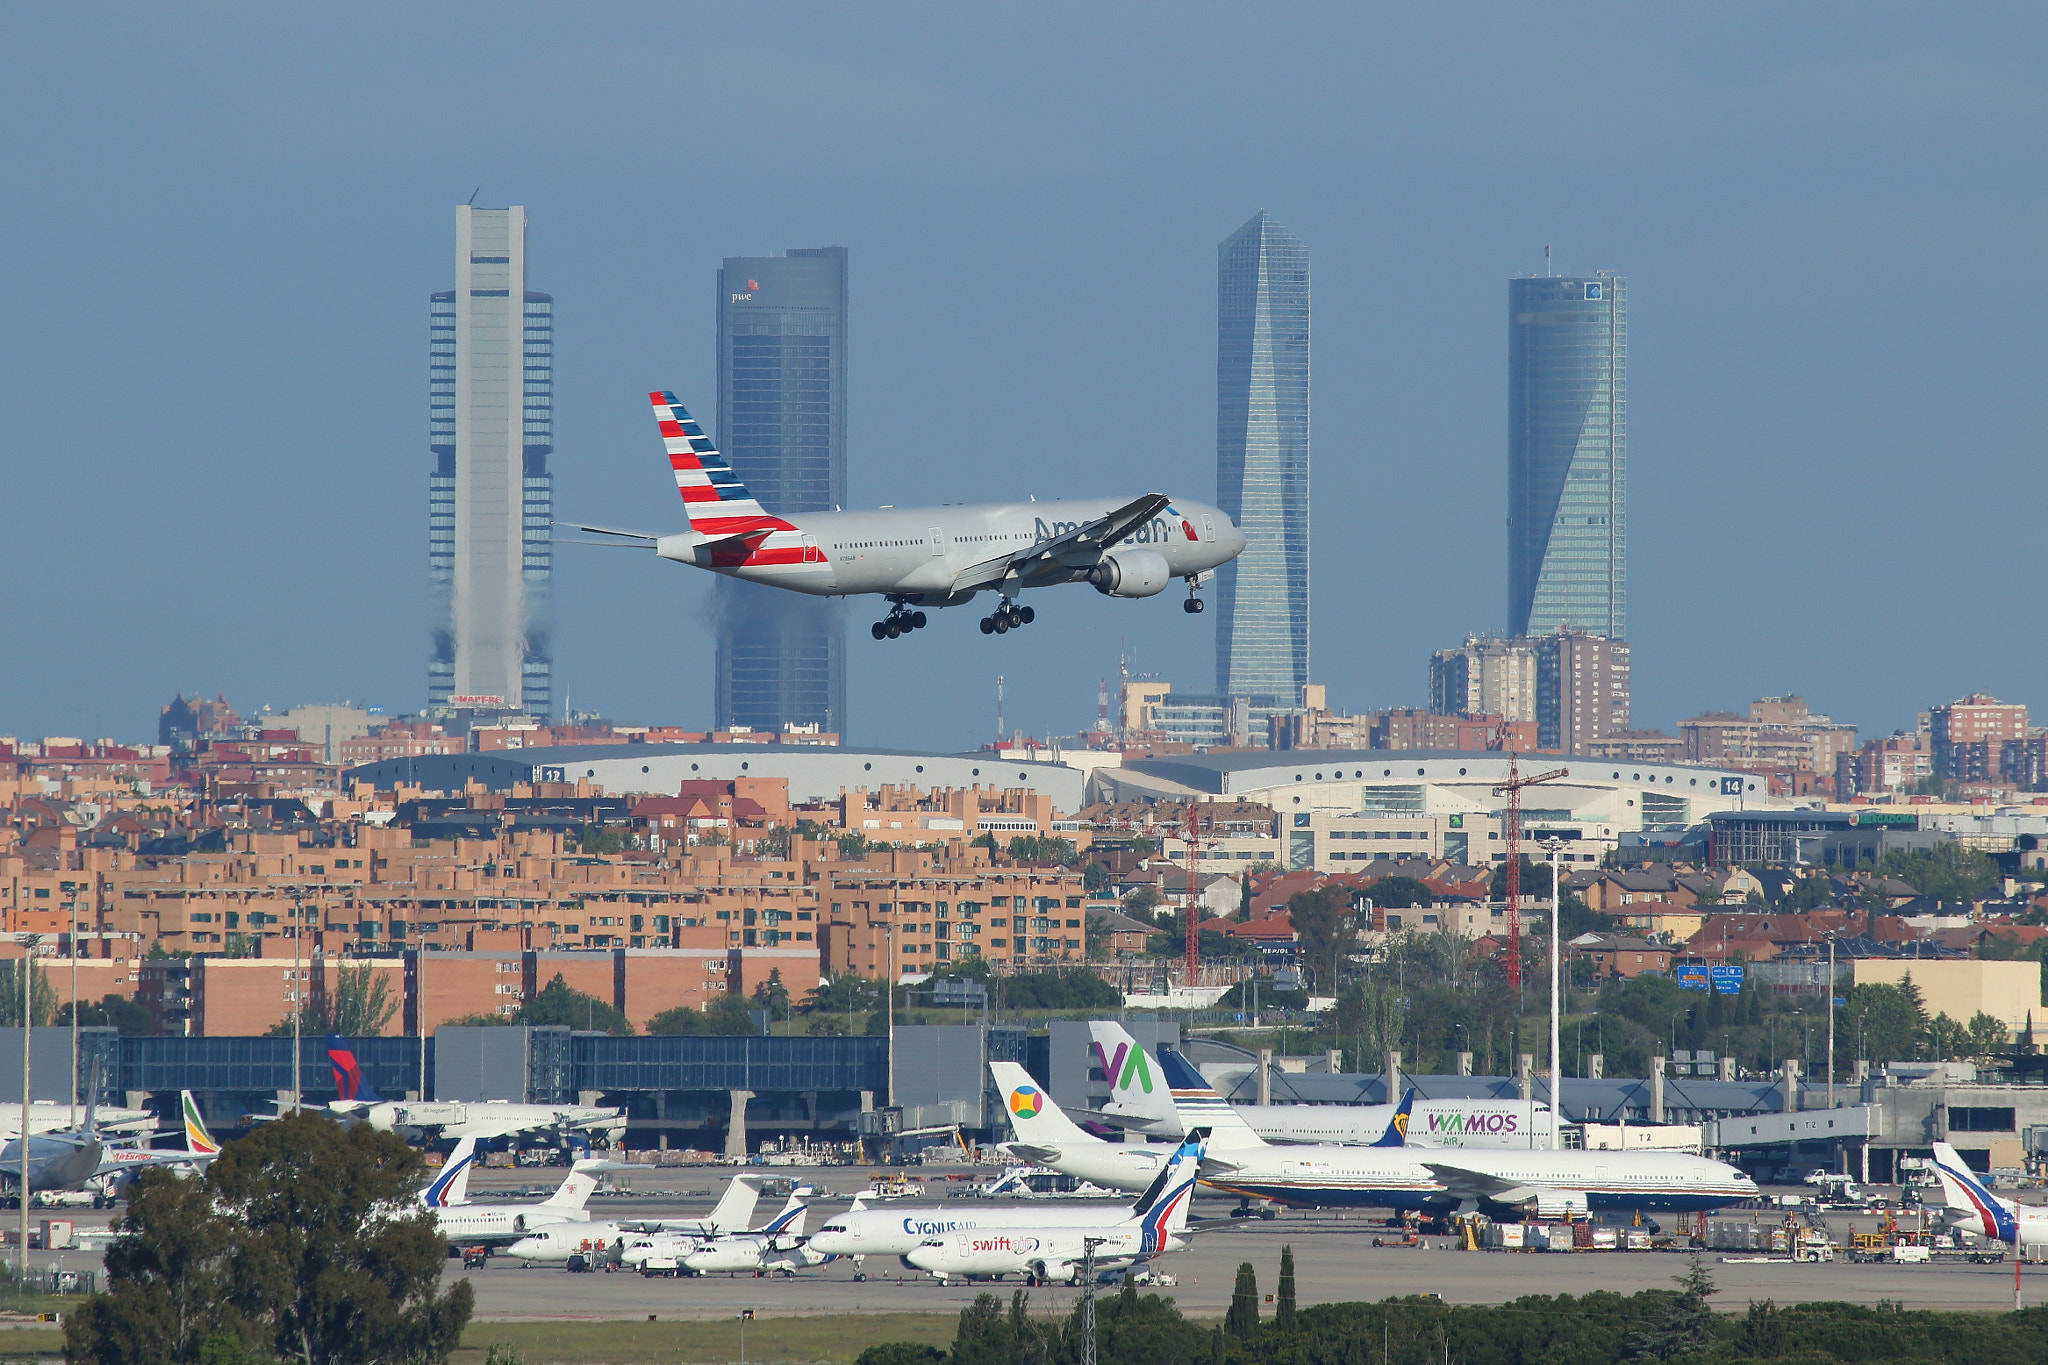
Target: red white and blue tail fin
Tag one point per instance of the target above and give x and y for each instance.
(718, 503)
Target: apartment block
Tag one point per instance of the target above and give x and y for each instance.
(1969, 736)
(1582, 690)
(1485, 676)
(913, 923)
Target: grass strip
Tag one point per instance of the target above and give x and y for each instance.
(833, 1337)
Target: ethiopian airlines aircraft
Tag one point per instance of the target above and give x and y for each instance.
(931, 556)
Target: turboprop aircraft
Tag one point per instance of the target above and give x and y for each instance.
(1139, 1101)
(1047, 1255)
(560, 1240)
(915, 557)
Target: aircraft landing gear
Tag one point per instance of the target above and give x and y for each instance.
(898, 622)
(1009, 616)
(1194, 606)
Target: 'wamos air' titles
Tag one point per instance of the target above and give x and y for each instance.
(916, 557)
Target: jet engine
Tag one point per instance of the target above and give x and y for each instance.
(1131, 573)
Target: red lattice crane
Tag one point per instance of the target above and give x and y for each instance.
(1503, 738)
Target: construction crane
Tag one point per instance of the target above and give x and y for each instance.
(1512, 789)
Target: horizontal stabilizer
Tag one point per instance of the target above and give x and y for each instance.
(648, 536)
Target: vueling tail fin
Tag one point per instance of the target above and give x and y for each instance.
(451, 1186)
(1201, 1107)
(735, 1211)
(198, 1141)
(1133, 1090)
(1397, 1126)
(1035, 1117)
(1967, 1195)
(717, 502)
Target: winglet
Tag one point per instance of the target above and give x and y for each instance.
(1397, 1126)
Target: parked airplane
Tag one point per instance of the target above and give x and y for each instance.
(778, 1245)
(1047, 1137)
(560, 1240)
(930, 556)
(1554, 1184)
(1972, 1206)
(467, 1224)
(47, 1116)
(358, 1101)
(1139, 1101)
(1045, 1255)
(200, 1149)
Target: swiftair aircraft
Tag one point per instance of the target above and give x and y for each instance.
(1975, 1209)
(1139, 1101)
(915, 557)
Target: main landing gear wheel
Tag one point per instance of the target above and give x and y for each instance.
(1007, 617)
(1194, 606)
(897, 623)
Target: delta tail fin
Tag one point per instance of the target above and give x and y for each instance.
(1136, 1090)
(451, 1185)
(348, 1073)
(1986, 1212)
(735, 1209)
(1201, 1107)
(1397, 1126)
(717, 502)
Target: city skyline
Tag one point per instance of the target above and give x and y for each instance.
(1036, 216)
(781, 423)
(1262, 459)
(489, 503)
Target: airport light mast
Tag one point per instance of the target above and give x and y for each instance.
(1194, 933)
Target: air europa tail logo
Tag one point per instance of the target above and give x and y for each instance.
(1026, 1102)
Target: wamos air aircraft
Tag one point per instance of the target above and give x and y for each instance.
(930, 556)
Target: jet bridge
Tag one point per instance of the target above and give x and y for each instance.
(1860, 1121)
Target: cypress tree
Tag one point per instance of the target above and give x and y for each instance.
(1242, 1321)
(1283, 1310)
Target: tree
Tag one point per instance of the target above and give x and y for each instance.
(1887, 1020)
(1032, 848)
(358, 1005)
(729, 1017)
(1985, 1037)
(1323, 926)
(1283, 1308)
(559, 1003)
(1140, 902)
(42, 996)
(1946, 872)
(843, 994)
(1763, 1331)
(1684, 1324)
(854, 845)
(1399, 893)
(290, 1246)
(113, 1011)
(1244, 896)
(679, 1022)
(1242, 1321)
(773, 995)
(901, 1353)
(595, 841)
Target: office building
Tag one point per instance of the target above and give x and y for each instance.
(1485, 677)
(782, 424)
(490, 499)
(1568, 456)
(1581, 690)
(1262, 459)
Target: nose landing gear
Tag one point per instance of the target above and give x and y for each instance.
(1194, 606)
(897, 623)
(1006, 618)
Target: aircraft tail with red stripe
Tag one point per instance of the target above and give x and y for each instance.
(717, 502)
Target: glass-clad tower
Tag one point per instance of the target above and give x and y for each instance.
(1262, 460)
(489, 501)
(782, 424)
(1568, 456)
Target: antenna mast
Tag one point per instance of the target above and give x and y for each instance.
(1194, 934)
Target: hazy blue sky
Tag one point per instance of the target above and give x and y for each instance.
(222, 223)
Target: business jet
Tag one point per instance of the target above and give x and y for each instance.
(467, 1224)
(1551, 1184)
(558, 1241)
(1973, 1207)
(1139, 1102)
(357, 1101)
(1049, 1255)
(916, 557)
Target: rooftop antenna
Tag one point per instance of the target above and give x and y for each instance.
(480, 189)
(1546, 260)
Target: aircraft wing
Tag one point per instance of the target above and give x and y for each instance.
(1081, 546)
(1037, 1156)
(1221, 1165)
(132, 1159)
(487, 1128)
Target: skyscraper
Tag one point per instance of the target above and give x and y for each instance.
(490, 368)
(1262, 459)
(1568, 456)
(782, 424)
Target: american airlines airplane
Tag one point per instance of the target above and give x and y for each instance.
(930, 556)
